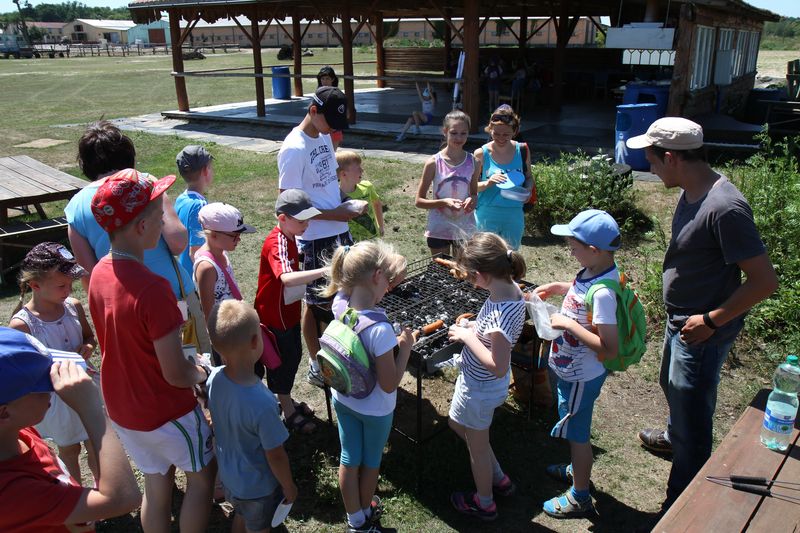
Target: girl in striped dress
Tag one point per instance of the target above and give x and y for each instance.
(482, 385)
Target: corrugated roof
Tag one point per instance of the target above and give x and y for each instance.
(120, 25)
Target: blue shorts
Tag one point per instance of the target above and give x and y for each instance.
(508, 222)
(362, 436)
(575, 406)
(257, 513)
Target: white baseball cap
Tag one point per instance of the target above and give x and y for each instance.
(223, 217)
(671, 133)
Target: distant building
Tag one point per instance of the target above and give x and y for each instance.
(53, 31)
(98, 31)
(154, 33)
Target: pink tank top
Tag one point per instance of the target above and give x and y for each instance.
(451, 182)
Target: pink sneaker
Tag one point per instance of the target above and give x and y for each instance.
(505, 487)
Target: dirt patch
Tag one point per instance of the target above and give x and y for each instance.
(41, 143)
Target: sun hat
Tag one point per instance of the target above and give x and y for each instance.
(124, 195)
(332, 103)
(297, 204)
(218, 216)
(593, 227)
(50, 255)
(193, 158)
(671, 133)
(24, 365)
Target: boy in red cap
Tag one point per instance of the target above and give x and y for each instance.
(36, 492)
(147, 382)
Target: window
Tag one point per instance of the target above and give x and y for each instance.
(703, 51)
(416, 34)
(746, 52)
(405, 34)
(78, 28)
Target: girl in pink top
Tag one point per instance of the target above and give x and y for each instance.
(453, 176)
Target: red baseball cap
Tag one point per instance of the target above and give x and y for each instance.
(124, 195)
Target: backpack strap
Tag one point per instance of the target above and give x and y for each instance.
(610, 284)
(231, 283)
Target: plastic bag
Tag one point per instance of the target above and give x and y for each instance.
(540, 312)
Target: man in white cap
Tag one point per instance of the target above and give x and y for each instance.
(714, 239)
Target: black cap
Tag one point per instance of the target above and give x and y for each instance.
(296, 203)
(50, 255)
(332, 103)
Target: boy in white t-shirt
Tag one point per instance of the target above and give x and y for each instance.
(577, 355)
(306, 161)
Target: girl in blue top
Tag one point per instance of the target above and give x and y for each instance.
(502, 159)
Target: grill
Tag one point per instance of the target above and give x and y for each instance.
(429, 293)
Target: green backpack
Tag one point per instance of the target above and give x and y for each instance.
(631, 323)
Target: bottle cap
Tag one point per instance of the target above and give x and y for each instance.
(793, 360)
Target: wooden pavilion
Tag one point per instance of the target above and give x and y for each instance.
(702, 33)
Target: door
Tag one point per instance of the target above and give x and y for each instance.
(156, 36)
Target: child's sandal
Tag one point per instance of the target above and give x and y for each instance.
(299, 423)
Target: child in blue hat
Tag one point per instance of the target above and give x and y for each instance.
(36, 491)
(577, 355)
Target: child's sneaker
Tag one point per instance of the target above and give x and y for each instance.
(566, 506)
(370, 528)
(376, 511)
(505, 487)
(467, 503)
(314, 377)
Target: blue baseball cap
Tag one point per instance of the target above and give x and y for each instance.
(593, 227)
(24, 365)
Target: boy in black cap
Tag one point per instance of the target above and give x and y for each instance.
(196, 167)
(306, 161)
(36, 492)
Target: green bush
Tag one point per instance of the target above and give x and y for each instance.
(770, 180)
(575, 182)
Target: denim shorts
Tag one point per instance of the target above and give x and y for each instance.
(474, 401)
(314, 255)
(257, 513)
(575, 406)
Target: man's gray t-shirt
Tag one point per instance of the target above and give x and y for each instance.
(708, 238)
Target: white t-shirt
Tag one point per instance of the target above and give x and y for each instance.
(309, 164)
(378, 339)
(569, 358)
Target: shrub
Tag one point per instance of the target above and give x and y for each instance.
(575, 182)
(771, 183)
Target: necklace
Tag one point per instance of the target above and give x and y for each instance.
(124, 255)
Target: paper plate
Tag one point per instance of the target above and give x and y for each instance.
(520, 194)
(281, 513)
(515, 179)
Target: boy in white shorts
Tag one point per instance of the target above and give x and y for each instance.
(147, 383)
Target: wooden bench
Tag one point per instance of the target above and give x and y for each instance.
(19, 237)
(707, 506)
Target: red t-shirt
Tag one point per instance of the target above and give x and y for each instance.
(36, 492)
(131, 307)
(278, 256)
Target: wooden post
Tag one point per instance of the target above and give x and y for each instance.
(471, 95)
(255, 40)
(347, 58)
(523, 30)
(177, 61)
(380, 53)
(564, 29)
(297, 53)
(682, 73)
(448, 46)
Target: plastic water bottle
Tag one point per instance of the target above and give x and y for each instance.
(782, 406)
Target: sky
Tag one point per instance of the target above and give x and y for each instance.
(788, 8)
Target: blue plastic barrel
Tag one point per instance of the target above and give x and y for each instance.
(280, 86)
(632, 120)
(647, 93)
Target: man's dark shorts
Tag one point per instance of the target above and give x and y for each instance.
(315, 253)
(290, 347)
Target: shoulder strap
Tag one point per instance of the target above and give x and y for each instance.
(231, 283)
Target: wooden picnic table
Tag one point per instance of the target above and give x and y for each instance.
(25, 181)
(707, 506)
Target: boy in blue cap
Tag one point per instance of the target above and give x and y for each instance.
(577, 355)
(36, 492)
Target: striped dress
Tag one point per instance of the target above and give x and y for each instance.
(505, 317)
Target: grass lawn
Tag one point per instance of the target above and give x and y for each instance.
(39, 95)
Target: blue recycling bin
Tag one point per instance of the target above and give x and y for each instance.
(280, 86)
(647, 93)
(632, 120)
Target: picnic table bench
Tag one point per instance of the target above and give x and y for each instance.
(25, 181)
(707, 506)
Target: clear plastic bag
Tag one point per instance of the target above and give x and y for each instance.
(540, 312)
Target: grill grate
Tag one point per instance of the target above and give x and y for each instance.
(431, 293)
